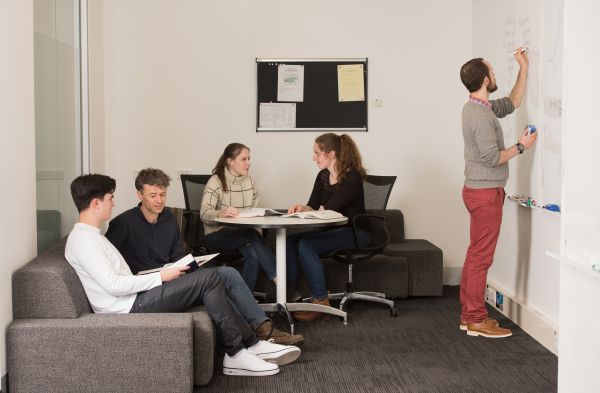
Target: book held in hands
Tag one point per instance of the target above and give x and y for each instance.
(193, 262)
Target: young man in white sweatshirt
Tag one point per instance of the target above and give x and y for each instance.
(112, 288)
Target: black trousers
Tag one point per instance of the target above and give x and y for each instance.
(204, 286)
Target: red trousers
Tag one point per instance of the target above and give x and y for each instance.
(485, 208)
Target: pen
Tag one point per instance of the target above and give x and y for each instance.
(524, 49)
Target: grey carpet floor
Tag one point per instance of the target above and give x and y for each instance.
(421, 350)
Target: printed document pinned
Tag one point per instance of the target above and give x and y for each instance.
(351, 82)
(277, 115)
(290, 83)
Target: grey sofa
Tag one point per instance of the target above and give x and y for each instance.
(57, 344)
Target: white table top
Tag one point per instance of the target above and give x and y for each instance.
(281, 222)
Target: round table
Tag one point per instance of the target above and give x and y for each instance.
(281, 224)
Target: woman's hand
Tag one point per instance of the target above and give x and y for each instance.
(172, 273)
(298, 208)
(228, 212)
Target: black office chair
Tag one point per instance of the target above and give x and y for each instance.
(377, 191)
(193, 228)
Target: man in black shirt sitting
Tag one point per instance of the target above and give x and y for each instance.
(148, 236)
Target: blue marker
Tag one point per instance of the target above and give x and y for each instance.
(531, 128)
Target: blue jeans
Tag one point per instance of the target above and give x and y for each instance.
(240, 296)
(251, 245)
(308, 246)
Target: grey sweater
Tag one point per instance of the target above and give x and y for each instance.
(483, 142)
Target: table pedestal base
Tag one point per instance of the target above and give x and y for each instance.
(288, 308)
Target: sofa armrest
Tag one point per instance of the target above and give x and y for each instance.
(102, 352)
(394, 221)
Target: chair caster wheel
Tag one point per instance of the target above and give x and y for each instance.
(394, 312)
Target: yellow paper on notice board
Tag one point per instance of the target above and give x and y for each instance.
(351, 82)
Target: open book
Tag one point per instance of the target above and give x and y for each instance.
(193, 262)
(258, 212)
(320, 214)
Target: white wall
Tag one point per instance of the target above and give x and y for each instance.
(179, 84)
(579, 343)
(17, 151)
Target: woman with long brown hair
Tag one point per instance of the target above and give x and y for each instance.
(228, 192)
(339, 187)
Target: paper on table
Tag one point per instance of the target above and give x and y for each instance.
(258, 212)
(320, 214)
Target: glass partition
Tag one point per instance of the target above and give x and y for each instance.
(57, 115)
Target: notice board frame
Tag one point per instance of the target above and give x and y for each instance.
(320, 109)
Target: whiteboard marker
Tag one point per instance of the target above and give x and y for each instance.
(523, 50)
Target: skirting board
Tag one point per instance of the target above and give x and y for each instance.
(452, 275)
(535, 324)
(4, 383)
(530, 320)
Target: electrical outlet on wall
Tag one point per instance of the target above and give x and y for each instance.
(499, 301)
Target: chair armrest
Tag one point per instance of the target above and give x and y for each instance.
(102, 352)
(382, 237)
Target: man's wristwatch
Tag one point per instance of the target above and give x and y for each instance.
(520, 147)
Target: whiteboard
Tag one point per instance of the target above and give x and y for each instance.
(522, 268)
(499, 28)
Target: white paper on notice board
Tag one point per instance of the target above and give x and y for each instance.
(290, 83)
(277, 115)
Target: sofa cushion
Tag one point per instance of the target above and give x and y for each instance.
(425, 265)
(48, 287)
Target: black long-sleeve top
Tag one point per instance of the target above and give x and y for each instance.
(145, 245)
(346, 197)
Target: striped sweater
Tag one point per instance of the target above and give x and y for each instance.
(484, 140)
(241, 194)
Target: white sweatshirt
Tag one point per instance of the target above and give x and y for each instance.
(107, 280)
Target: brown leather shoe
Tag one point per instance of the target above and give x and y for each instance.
(266, 331)
(285, 338)
(312, 315)
(486, 328)
(463, 324)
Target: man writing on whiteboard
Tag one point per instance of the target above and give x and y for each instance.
(486, 172)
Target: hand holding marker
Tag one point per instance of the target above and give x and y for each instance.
(521, 50)
(530, 129)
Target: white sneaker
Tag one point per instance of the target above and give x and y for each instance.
(275, 353)
(246, 363)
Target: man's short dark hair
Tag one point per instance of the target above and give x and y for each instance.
(151, 177)
(86, 188)
(472, 74)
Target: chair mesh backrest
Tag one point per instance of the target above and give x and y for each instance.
(377, 191)
(193, 188)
